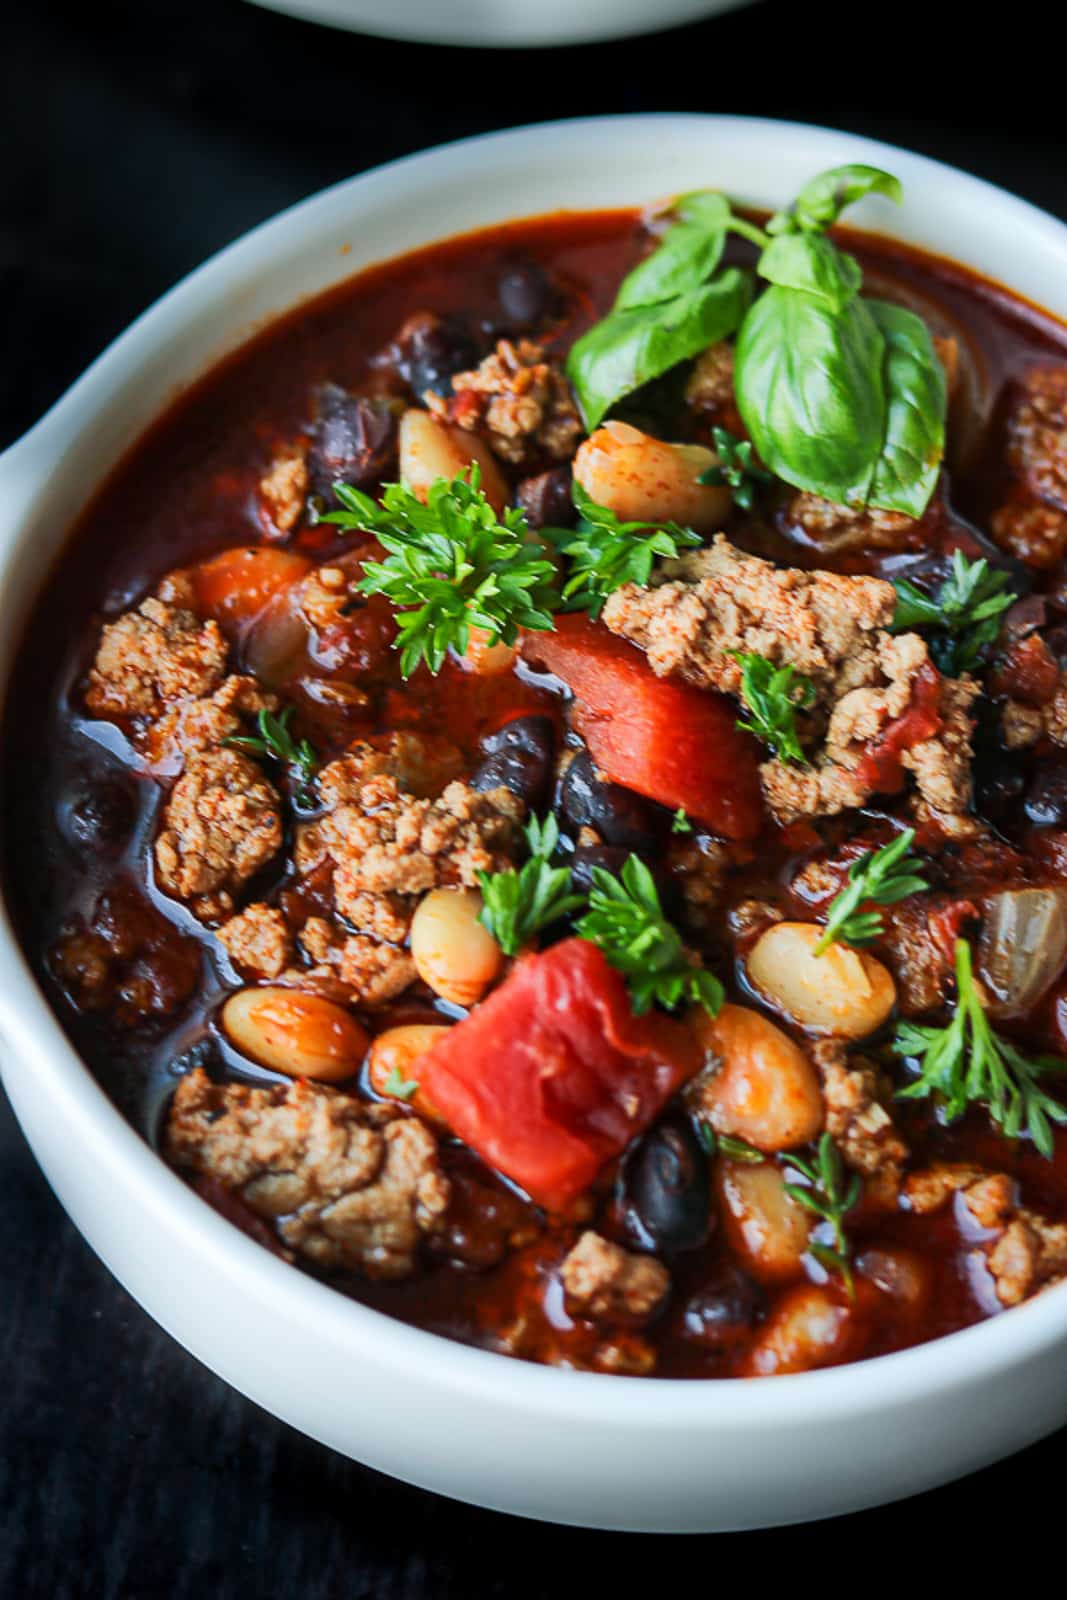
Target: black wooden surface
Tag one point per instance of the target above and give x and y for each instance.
(135, 138)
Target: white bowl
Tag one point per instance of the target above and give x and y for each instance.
(499, 23)
(611, 1452)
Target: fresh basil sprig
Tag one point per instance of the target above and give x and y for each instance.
(843, 396)
(672, 306)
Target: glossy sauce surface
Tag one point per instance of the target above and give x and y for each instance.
(79, 819)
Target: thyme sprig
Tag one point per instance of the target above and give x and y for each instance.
(884, 876)
(964, 616)
(828, 1195)
(736, 469)
(275, 742)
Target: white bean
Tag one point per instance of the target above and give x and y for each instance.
(302, 1035)
(645, 479)
(430, 449)
(843, 992)
(451, 950)
(765, 1227)
(765, 1090)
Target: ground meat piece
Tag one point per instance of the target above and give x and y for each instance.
(1032, 520)
(371, 972)
(383, 841)
(258, 941)
(1028, 1253)
(833, 527)
(283, 489)
(350, 1186)
(1025, 721)
(855, 1096)
(709, 604)
(152, 656)
(422, 764)
(710, 389)
(608, 1284)
(698, 867)
(941, 764)
(520, 401)
(221, 824)
(204, 724)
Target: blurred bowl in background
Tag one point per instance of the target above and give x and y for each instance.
(489, 23)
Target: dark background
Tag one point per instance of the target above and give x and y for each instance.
(135, 139)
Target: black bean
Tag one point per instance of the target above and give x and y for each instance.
(432, 349)
(354, 441)
(1026, 616)
(101, 818)
(725, 1310)
(526, 294)
(666, 1189)
(620, 816)
(546, 499)
(1046, 799)
(519, 757)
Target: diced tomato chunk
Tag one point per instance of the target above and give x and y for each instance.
(553, 1074)
(666, 739)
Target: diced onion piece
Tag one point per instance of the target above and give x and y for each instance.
(1023, 946)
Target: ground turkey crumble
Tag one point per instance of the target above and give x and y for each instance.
(1023, 1251)
(202, 724)
(151, 657)
(606, 1283)
(283, 490)
(855, 1095)
(258, 941)
(221, 823)
(708, 607)
(350, 1186)
(518, 400)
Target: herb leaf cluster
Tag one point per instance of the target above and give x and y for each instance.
(736, 469)
(830, 1197)
(963, 617)
(772, 696)
(517, 904)
(275, 742)
(884, 876)
(604, 552)
(451, 564)
(968, 1063)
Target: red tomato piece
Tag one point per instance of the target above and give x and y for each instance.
(666, 739)
(553, 1074)
(235, 585)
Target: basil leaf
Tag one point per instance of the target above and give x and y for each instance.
(821, 202)
(631, 347)
(916, 399)
(811, 262)
(686, 256)
(810, 389)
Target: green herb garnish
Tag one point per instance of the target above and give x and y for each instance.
(518, 904)
(397, 1087)
(723, 1144)
(605, 553)
(772, 696)
(965, 614)
(452, 564)
(275, 742)
(673, 305)
(735, 468)
(968, 1063)
(626, 921)
(827, 1196)
(680, 822)
(884, 876)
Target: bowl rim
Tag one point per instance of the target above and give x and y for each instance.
(31, 1034)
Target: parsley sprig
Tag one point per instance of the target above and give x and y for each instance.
(968, 1063)
(884, 876)
(604, 552)
(276, 743)
(736, 468)
(626, 921)
(830, 1197)
(724, 1144)
(518, 904)
(772, 697)
(452, 564)
(965, 614)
